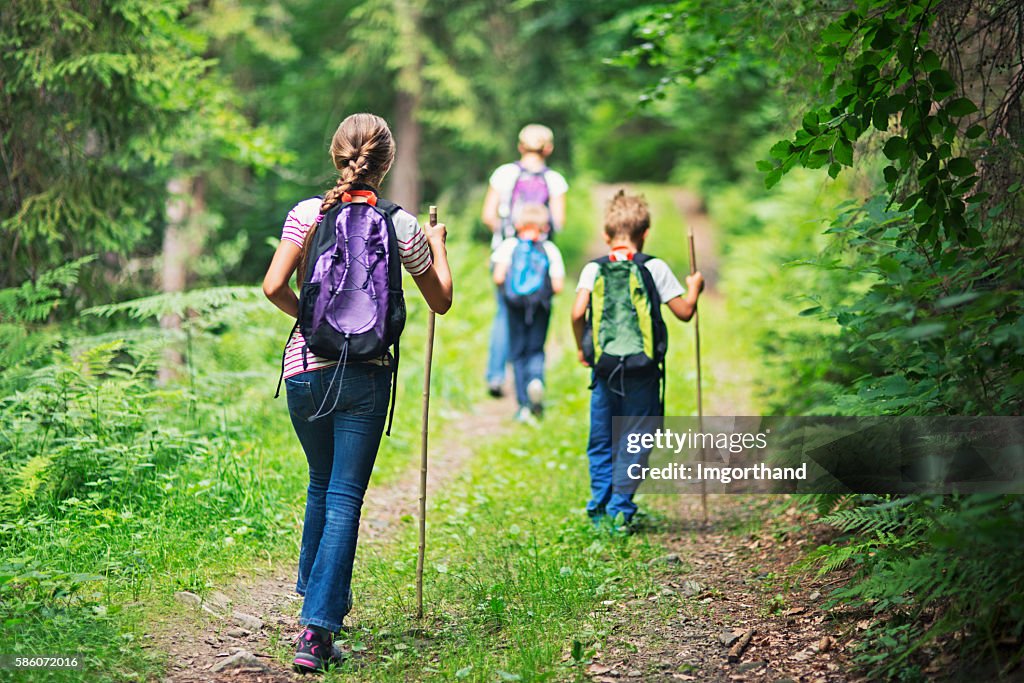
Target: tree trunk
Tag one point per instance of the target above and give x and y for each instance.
(184, 209)
(404, 181)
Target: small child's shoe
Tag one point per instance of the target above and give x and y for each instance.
(535, 392)
(525, 416)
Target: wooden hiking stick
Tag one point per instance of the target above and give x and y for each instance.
(423, 450)
(700, 398)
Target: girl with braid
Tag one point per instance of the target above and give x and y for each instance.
(341, 443)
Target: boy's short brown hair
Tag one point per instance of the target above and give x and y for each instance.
(627, 216)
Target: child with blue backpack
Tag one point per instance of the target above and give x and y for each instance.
(340, 363)
(527, 181)
(529, 271)
(622, 338)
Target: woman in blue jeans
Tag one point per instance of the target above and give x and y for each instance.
(341, 443)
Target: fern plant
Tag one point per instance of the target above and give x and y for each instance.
(947, 560)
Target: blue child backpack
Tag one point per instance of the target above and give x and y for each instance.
(351, 305)
(528, 283)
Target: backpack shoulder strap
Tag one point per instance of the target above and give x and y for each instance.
(641, 260)
(388, 209)
(660, 329)
(323, 239)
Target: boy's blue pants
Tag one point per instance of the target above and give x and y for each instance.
(497, 358)
(526, 336)
(637, 396)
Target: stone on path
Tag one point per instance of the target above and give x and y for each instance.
(243, 659)
(187, 598)
(729, 637)
(247, 621)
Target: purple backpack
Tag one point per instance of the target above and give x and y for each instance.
(351, 305)
(530, 188)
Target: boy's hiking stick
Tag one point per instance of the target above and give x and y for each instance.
(423, 450)
(700, 398)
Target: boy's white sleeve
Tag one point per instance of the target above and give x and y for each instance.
(587, 277)
(665, 280)
(503, 254)
(556, 267)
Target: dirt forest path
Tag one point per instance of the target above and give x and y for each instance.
(233, 635)
(716, 584)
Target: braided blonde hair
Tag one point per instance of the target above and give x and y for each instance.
(362, 150)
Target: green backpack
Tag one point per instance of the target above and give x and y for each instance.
(624, 332)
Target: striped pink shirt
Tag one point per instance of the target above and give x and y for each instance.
(412, 248)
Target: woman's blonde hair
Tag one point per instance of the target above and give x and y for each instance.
(362, 150)
(535, 137)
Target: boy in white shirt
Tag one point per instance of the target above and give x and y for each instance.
(624, 385)
(528, 270)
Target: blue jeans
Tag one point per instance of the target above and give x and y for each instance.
(526, 347)
(640, 397)
(340, 448)
(498, 356)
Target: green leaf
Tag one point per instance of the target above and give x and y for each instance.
(772, 179)
(835, 33)
(957, 299)
(905, 51)
(924, 331)
(961, 166)
(894, 148)
(942, 82)
(843, 151)
(810, 122)
(930, 61)
(884, 37)
(961, 106)
(880, 116)
(974, 131)
(891, 174)
(781, 149)
(813, 310)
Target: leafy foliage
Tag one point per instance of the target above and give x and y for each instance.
(918, 284)
(928, 568)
